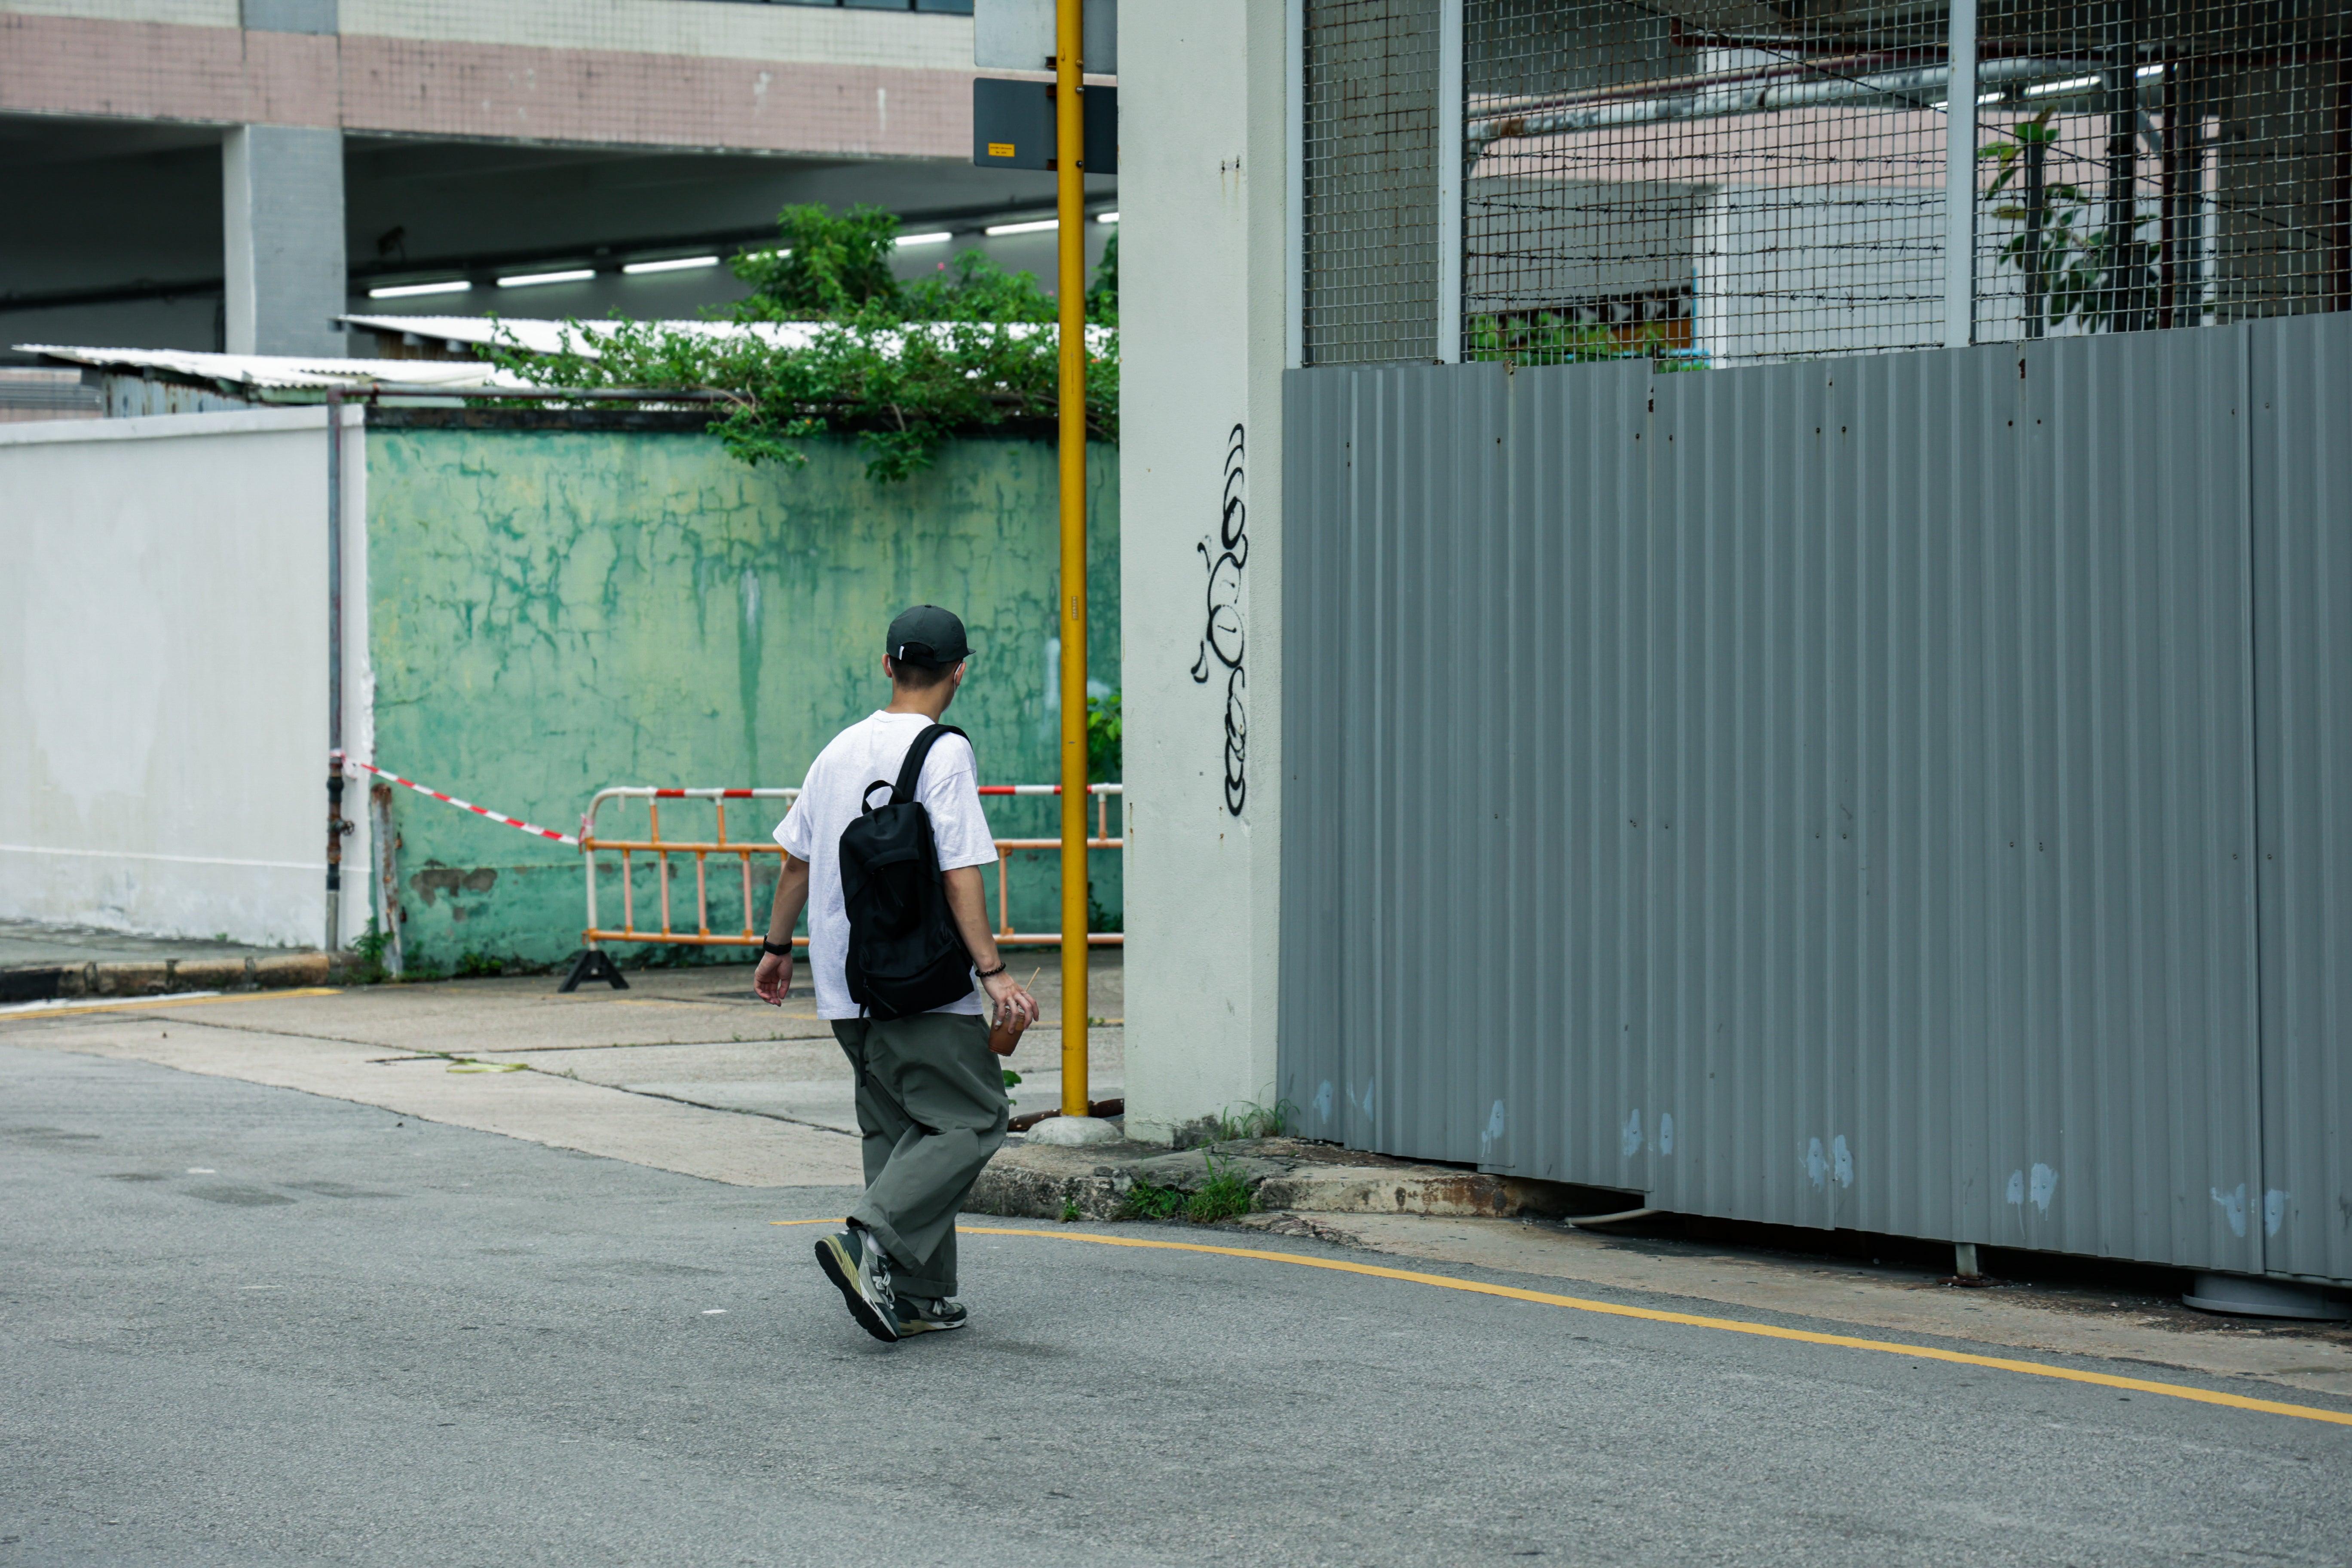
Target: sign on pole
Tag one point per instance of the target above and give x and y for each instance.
(1013, 126)
(1018, 35)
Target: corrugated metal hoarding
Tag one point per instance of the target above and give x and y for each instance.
(1827, 793)
(2301, 478)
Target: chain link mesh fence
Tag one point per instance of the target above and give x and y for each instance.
(1726, 181)
(1718, 184)
(2180, 164)
(1370, 145)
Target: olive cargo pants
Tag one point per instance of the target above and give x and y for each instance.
(932, 1106)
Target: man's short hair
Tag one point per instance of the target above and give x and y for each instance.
(918, 677)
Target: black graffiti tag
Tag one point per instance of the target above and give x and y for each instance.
(1222, 644)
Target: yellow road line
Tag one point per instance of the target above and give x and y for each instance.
(39, 1011)
(1692, 1320)
(845, 1222)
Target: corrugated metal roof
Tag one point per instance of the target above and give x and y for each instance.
(265, 373)
(549, 337)
(544, 337)
(281, 373)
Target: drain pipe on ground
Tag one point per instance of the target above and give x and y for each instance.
(336, 825)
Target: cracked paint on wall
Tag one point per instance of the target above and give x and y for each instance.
(552, 612)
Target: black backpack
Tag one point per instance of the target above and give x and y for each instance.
(905, 953)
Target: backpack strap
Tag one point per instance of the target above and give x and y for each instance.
(910, 771)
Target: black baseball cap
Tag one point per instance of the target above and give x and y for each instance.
(926, 638)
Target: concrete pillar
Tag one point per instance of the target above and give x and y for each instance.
(282, 219)
(1201, 181)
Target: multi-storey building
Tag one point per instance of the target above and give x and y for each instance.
(237, 173)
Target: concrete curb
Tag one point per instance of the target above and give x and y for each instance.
(1032, 1181)
(44, 983)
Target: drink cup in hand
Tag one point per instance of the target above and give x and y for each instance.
(1006, 1031)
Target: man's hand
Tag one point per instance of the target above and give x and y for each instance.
(772, 981)
(1014, 1006)
(773, 978)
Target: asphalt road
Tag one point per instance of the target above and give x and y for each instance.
(245, 1325)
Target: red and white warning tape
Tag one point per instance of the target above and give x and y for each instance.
(662, 794)
(1044, 789)
(465, 804)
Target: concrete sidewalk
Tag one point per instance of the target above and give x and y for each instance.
(733, 1071)
(686, 1070)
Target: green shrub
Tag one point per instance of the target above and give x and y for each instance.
(1105, 754)
(901, 367)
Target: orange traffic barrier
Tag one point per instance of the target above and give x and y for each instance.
(592, 964)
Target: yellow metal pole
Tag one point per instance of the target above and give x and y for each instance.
(1069, 181)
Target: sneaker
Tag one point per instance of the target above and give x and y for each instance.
(921, 1315)
(855, 1261)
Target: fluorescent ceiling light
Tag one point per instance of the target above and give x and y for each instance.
(2070, 85)
(531, 279)
(1039, 227)
(2151, 70)
(941, 237)
(679, 265)
(404, 290)
(1105, 217)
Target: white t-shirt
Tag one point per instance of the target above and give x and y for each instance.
(870, 749)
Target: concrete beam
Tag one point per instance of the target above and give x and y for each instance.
(282, 222)
(316, 16)
(806, 80)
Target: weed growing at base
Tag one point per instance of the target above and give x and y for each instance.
(1225, 1194)
(1251, 1120)
(1146, 1199)
(369, 949)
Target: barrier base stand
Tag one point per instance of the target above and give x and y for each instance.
(593, 964)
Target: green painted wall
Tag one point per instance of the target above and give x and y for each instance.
(554, 612)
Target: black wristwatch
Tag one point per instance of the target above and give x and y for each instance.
(775, 950)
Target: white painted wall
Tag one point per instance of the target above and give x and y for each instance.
(162, 674)
(1203, 169)
(1788, 269)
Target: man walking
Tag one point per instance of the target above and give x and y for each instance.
(930, 1095)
